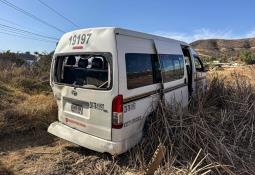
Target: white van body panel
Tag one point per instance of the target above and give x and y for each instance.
(91, 142)
(93, 121)
(100, 40)
(93, 128)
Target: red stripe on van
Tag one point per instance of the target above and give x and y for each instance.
(77, 47)
(68, 120)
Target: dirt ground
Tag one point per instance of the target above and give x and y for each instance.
(41, 153)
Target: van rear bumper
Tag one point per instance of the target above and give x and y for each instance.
(91, 142)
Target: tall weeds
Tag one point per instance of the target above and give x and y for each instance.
(219, 122)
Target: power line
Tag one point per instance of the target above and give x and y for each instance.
(26, 32)
(22, 26)
(15, 33)
(59, 14)
(9, 28)
(30, 15)
(23, 34)
(10, 22)
(26, 37)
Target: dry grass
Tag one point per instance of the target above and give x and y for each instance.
(220, 122)
(247, 72)
(215, 135)
(25, 103)
(25, 79)
(30, 112)
(40, 107)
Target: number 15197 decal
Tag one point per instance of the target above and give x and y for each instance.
(79, 39)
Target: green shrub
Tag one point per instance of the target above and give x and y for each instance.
(248, 57)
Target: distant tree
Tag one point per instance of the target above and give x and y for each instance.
(247, 45)
(247, 57)
(9, 58)
(42, 66)
(223, 58)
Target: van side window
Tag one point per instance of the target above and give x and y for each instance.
(139, 70)
(172, 67)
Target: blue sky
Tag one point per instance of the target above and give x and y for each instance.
(185, 20)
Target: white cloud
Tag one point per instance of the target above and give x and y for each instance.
(251, 34)
(204, 34)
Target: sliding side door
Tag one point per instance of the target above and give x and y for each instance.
(173, 71)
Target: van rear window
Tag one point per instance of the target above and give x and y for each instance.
(87, 71)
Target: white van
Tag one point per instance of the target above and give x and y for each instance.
(108, 80)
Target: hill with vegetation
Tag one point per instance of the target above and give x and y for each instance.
(225, 50)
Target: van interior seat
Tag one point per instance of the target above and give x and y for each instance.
(83, 63)
(71, 60)
(82, 75)
(97, 74)
(97, 63)
(79, 73)
(68, 70)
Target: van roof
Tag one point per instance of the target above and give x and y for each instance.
(129, 32)
(105, 42)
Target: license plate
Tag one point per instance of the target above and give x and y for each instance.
(76, 109)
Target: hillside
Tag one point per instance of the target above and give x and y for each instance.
(223, 50)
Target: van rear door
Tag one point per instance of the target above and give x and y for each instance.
(83, 86)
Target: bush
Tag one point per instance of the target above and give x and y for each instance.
(30, 85)
(42, 67)
(29, 79)
(248, 57)
(7, 59)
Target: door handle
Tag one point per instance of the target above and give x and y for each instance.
(160, 91)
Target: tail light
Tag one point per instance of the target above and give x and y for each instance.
(117, 112)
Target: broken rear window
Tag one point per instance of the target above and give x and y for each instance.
(87, 71)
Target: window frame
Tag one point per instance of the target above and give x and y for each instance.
(202, 69)
(106, 55)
